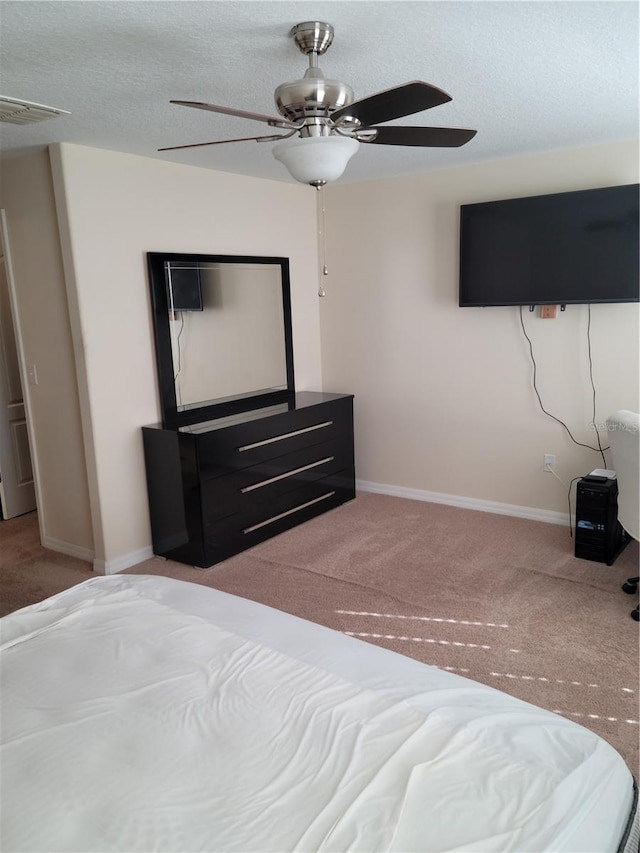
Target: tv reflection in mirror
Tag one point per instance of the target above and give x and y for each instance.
(184, 288)
(223, 334)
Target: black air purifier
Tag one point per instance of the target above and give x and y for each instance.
(599, 534)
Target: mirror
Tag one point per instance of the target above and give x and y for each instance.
(223, 335)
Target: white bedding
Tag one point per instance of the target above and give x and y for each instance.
(147, 714)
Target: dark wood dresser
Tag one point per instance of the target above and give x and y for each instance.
(219, 487)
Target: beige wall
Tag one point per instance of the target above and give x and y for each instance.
(26, 193)
(113, 208)
(444, 402)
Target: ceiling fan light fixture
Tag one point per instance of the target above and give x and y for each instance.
(316, 160)
(330, 124)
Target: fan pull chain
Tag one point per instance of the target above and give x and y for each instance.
(321, 291)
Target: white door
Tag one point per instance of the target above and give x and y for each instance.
(17, 491)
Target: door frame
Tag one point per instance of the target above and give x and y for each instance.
(22, 363)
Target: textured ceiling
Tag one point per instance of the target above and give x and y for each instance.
(529, 76)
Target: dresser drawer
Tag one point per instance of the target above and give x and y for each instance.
(266, 518)
(267, 480)
(233, 448)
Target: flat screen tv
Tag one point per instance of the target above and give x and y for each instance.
(573, 247)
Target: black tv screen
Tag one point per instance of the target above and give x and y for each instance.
(573, 247)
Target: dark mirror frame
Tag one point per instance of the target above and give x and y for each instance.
(171, 417)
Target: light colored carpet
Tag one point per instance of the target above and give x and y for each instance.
(498, 599)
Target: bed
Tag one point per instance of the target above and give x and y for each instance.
(143, 713)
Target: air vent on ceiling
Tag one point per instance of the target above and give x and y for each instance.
(13, 111)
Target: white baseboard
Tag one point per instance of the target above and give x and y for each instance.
(112, 567)
(67, 548)
(529, 512)
(100, 567)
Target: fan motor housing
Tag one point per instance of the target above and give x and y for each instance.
(312, 97)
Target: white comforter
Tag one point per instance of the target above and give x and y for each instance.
(146, 714)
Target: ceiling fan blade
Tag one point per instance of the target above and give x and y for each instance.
(394, 103)
(270, 138)
(422, 137)
(274, 121)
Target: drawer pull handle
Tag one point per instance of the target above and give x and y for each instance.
(288, 512)
(287, 474)
(284, 436)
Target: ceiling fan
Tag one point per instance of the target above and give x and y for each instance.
(323, 124)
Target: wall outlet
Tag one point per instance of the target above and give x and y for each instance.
(548, 462)
(32, 374)
(548, 312)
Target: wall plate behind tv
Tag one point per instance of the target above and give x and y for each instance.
(548, 312)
